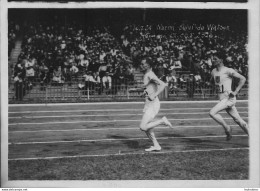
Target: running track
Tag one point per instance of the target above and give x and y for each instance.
(105, 129)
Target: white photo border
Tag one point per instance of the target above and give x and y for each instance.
(253, 31)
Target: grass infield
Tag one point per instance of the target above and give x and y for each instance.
(206, 165)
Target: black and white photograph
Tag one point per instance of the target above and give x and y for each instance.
(130, 94)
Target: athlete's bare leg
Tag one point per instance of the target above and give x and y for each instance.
(214, 113)
(236, 117)
(150, 134)
(147, 124)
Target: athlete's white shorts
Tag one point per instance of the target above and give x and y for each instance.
(151, 108)
(226, 103)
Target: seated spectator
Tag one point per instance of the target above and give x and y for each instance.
(197, 78)
(67, 74)
(102, 69)
(198, 82)
(120, 76)
(57, 76)
(196, 65)
(27, 84)
(171, 81)
(129, 74)
(42, 67)
(106, 83)
(74, 70)
(177, 64)
(83, 64)
(102, 56)
(206, 76)
(159, 70)
(81, 85)
(182, 81)
(113, 51)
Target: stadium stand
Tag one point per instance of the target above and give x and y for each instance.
(75, 57)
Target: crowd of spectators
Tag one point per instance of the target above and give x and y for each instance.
(60, 53)
(185, 50)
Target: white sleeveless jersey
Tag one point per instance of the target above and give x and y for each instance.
(150, 81)
(223, 80)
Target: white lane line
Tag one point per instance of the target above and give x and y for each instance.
(125, 114)
(133, 153)
(107, 129)
(117, 103)
(108, 121)
(125, 139)
(109, 110)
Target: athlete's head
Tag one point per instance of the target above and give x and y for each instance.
(217, 58)
(146, 64)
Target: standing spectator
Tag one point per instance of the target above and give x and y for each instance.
(190, 86)
(44, 79)
(89, 82)
(19, 87)
(97, 82)
(30, 74)
(120, 78)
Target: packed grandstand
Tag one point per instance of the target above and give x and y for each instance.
(105, 52)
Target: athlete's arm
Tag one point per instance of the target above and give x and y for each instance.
(242, 81)
(160, 86)
(145, 84)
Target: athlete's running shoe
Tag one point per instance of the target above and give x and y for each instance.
(229, 135)
(153, 148)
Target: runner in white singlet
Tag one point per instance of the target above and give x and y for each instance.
(223, 80)
(153, 86)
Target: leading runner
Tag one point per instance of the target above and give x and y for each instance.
(223, 80)
(153, 86)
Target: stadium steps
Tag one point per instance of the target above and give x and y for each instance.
(11, 63)
(15, 52)
(14, 57)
